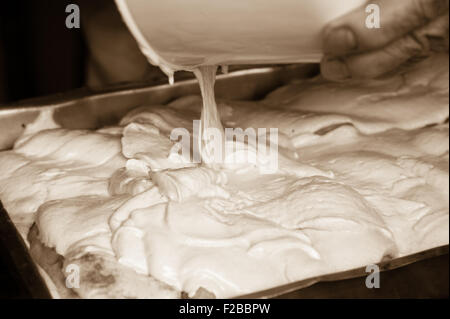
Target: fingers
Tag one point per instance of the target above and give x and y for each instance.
(371, 64)
(349, 33)
(374, 63)
(435, 34)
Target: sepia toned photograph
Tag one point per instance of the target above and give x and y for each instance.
(212, 151)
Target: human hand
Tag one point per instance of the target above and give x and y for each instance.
(409, 29)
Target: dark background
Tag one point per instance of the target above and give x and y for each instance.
(38, 54)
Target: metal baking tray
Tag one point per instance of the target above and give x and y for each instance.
(424, 274)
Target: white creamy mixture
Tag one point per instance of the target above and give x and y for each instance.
(210, 118)
(370, 179)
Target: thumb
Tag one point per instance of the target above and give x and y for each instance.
(349, 33)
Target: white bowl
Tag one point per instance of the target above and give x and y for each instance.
(183, 34)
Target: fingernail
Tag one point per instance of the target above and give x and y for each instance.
(335, 69)
(340, 40)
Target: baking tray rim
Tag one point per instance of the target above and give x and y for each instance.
(17, 115)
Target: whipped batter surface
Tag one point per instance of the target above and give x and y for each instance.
(362, 175)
